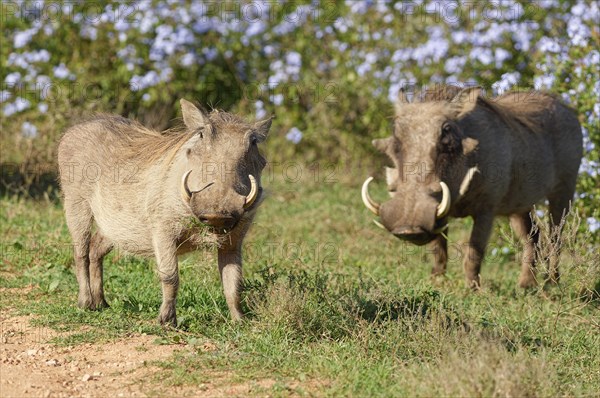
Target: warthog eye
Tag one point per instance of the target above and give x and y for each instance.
(449, 141)
(253, 140)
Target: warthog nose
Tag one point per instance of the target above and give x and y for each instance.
(412, 234)
(218, 221)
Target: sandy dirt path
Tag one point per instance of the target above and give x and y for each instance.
(31, 365)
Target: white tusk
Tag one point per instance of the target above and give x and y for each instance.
(253, 192)
(186, 194)
(379, 224)
(444, 206)
(464, 185)
(369, 203)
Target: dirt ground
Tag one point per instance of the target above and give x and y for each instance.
(31, 366)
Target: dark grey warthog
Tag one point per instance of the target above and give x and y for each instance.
(457, 154)
(161, 194)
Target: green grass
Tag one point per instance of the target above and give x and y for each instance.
(335, 307)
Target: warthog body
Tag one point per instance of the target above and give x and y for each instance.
(457, 154)
(161, 195)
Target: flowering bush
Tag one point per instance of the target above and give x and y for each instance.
(328, 70)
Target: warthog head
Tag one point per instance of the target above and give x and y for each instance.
(428, 149)
(222, 166)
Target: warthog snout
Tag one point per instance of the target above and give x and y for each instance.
(416, 235)
(220, 222)
(415, 216)
(221, 219)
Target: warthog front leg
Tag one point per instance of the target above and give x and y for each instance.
(230, 268)
(439, 249)
(476, 248)
(523, 226)
(168, 272)
(99, 247)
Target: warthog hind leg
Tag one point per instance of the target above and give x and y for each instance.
(79, 221)
(559, 204)
(528, 234)
(99, 247)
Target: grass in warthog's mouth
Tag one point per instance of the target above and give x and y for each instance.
(334, 306)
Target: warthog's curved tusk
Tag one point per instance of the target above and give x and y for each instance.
(366, 198)
(186, 194)
(378, 224)
(466, 182)
(444, 206)
(253, 192)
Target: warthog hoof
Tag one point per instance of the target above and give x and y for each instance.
(527, 282)
(551, 280)
(236, 316)
(93, 305)
(167, 316)
(474, 284)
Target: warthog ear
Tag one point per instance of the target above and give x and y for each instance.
(262, 129)
(193, 117)
(401, 100)
(465, 101)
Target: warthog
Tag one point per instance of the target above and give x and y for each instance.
(161, 194)
(457, 154)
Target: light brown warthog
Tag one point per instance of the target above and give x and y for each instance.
(457, 154)
(161, 194)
